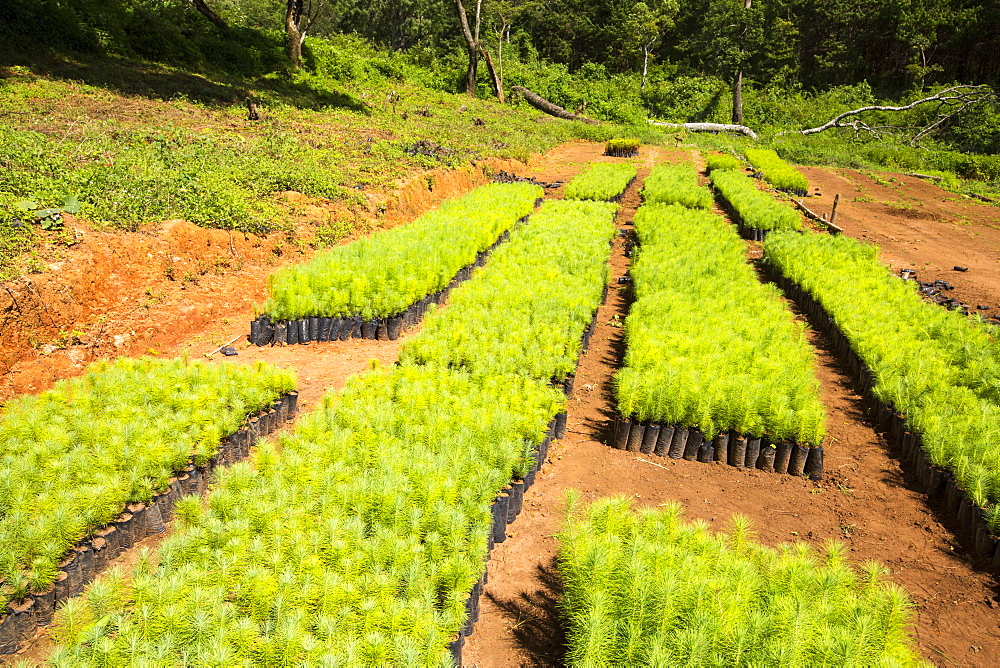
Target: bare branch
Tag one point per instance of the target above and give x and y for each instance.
(961, 96)
(708, 127)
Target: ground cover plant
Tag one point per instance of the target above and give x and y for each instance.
(383, 274)
(675, 184)
(938, 368)
(72, 457)
(647, 588)
(526, 309)
(709, 346)
(754, 209)
(776, 171)
(601, 181)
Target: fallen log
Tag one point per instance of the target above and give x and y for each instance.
(708, 127)
(540, 103)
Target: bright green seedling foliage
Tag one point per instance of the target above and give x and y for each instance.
(776, 171)
(382, 275)
(714, 161)
(709, 345)
(72, 457)
(353, 542)
(676, 184)
(525, 311)
(756, 208)
(939, 368)
(601, 181)
(357, 539)
(646, 588)
(622, 148)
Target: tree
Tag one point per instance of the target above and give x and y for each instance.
(207, 12)
(299, 17)
(643, 28)
(471, 36)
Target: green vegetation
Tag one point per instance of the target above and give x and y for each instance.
(354, 541)
(357, 539)
(602, 181)
(72, 457)
(708, 344)
(776, 171)
(382, 275)
(622, 148)
(714, 161)
(526, 309)
(755, 209)
(937, 367)
(646, 588)
(676, 184)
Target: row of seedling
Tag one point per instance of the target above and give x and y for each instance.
(755, 212)
(648, 588)
(102, 457)
(622, 148)
(602, 182)
(715, 369)
(777, 172)
(359, 538)
(932, 376)
(379, 279)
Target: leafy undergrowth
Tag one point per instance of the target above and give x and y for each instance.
(133, 154)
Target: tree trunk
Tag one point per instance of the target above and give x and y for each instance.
(540, 103)
(207, 12)
(471, 44)
(738, 98)
(708, 127)
(293, 36)
(494, 74)
(645, 66)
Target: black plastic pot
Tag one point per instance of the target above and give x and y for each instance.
(782, 454)
(304, 331)
(516, 500)
(766, 460)
(561, 425)
(721, 444)
(620, 439)
(293, 333)
(797, 462)
(394, 327)
(382, 329)
(255, 331)
(694, 442)
(663, 441)
(324, 329)
(369, 328)
(314, 328)
(45, 603)
(706, 453)
(649, 438)
(677, 443)
(500, 518)
(635, 435)
(814, 464)
(455, 648)
(335, 326)
(753, 452)
(737, 450)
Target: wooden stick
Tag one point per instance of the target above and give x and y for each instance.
(223, 345)
(833, 213)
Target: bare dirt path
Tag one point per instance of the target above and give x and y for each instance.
(864, 502)
(918, 225)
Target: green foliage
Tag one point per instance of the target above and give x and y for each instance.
(72, 457)
(602, 181)
(646, 588)
(676, 184)
(357, 539)
(622, 148)
(708, 344)
(776, 171)
(383, 274)
(937, 367)
(714, 161)
(525, 311)
(757, 209)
